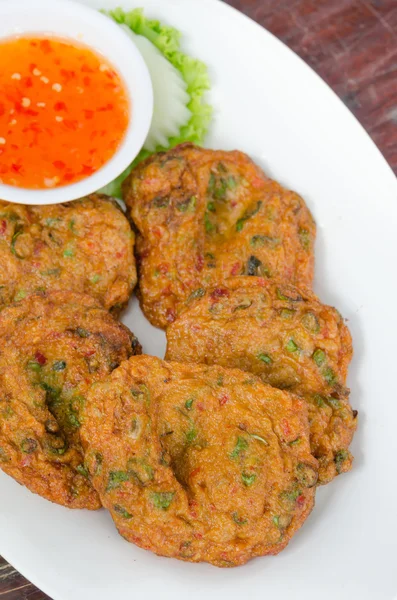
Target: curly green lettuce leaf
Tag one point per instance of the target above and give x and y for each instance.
(194, 73)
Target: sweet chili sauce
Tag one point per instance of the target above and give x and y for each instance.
(63, 112)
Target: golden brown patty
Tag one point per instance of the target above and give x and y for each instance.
(288, 338)
(203, 216)
(82, 246)
(53, 347)
(199, 463)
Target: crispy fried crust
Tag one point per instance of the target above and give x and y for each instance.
(82, 246)
(53, 347)
(203, 216)
(289, 339)
(199, 463)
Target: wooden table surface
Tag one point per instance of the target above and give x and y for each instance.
(352, 44)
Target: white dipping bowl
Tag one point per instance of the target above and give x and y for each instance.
(68, 19)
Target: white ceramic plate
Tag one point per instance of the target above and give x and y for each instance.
(270, 104)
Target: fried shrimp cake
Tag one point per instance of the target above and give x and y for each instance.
(289, 339)
(203, 216)
(84, 246)
(199, 463)
(53, 347)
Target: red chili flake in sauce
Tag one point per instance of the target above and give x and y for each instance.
(59, 164)
(46, 46)
(3, 226)
(86, 69)
(87, 170)
(66, 75)
(71, 124)
(301, 500)
(108, 106)
(58, 106)
(35, 89)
